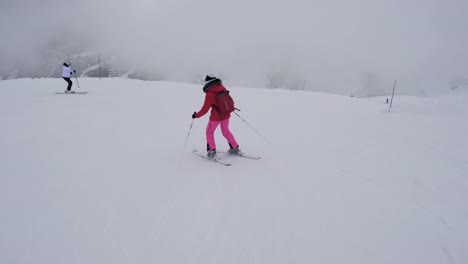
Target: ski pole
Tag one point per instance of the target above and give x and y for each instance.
(76, 77)
(188, 135)
(252, 127)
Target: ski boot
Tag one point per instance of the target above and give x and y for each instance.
(235, 151)
(211, 154)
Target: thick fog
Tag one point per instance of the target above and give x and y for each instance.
(335, 46)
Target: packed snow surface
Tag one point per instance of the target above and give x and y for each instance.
(107, 177)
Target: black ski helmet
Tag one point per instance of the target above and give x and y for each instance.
(209, 78)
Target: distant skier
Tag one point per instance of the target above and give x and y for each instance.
(66, 74)
(220, 114)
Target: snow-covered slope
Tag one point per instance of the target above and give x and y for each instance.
(106, 178)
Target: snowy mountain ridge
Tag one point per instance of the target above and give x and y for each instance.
(93, 64)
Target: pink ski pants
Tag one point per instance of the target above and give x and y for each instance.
(210, 129)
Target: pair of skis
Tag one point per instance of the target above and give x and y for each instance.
(71, 93)
(221, 161)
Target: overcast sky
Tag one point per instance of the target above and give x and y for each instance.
(331, 43)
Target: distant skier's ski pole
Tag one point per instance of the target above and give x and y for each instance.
(251, 127)
(188, 135)
(76, 77)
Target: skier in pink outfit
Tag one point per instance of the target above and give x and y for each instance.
(213, 86)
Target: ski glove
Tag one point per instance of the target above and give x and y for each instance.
(194, 115)
(74, 71)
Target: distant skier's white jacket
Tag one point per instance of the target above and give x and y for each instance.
(67, 71)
